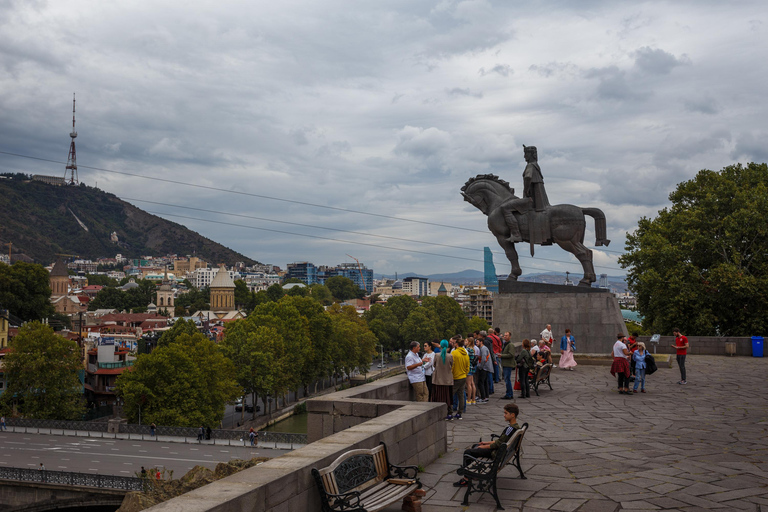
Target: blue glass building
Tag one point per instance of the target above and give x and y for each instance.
(490, 279)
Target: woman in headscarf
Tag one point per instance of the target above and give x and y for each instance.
(442, 378)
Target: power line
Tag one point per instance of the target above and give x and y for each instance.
(304, 203)
(250, 194)
(357, 243)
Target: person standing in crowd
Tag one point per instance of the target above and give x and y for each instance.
(484, 368)
(508, 364)
(620, 366)
(631, 346)
(200, 433)
(638, 356)
(460, 371)
(681, 346)
(442, 378)
(546, 335)
(567, 348)
(496, 346)
(429, 367)
(525, 363)
(469, 345)
(414, 370)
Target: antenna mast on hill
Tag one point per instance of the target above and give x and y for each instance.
(71, 168)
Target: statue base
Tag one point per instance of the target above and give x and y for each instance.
(592, 314)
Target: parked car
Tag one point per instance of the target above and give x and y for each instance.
(248, 408)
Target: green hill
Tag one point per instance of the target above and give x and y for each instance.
(42, 220)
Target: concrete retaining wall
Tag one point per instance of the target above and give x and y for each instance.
(414, 433)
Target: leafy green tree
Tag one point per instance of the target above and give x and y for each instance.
(179, 328)
(25, 290)
(255, 352)
(184, 383)
(193, 301)
(60, 321)
(451, 318)
(343, 288)
(108, 298)
(42, 371)
(298, 291)
(421, 325)
(477, 324)
(384, 324)
(275, 292)
(401, 306)
(101, 280)
(244, 298)
(321, 293)
(316, 361)
(701, 264)
(353, 343)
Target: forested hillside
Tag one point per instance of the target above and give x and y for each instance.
(42, 220)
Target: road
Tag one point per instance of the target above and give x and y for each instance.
(232, 418)
(115, 457)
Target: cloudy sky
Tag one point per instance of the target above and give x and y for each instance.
(382, 111)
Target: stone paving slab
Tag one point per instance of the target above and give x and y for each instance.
(703, 446)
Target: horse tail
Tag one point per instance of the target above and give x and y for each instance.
(600, 229)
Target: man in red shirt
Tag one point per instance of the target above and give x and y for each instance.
(681, 345)
(497, 347)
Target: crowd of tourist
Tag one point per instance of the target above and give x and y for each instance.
(462, 371)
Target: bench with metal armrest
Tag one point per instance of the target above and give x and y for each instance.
(364, 481)
(541, 376)
(481, 473)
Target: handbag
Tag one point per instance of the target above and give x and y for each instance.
(517, 385)
(650, 364)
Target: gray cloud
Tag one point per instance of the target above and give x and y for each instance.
(657, 61)
(373, 109)
(751, 147)
(500, 69)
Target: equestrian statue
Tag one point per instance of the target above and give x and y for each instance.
(532, 219)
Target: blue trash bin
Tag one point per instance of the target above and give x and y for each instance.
(757, 346)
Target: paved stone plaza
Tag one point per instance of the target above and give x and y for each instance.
(700, 446)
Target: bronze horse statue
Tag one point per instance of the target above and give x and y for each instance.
(562, 224)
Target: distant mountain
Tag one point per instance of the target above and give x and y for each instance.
(464, 277)
(469, 276)
(42, 220)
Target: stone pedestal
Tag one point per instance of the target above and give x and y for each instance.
(592, 314)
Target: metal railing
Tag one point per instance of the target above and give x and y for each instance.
(282, 440)
(123, 483)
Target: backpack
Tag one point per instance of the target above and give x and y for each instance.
(650, 364)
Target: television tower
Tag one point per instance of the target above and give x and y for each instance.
(71, 168)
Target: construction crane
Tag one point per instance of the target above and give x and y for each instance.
(360, 268)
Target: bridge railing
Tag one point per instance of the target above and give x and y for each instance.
(124, 483)
(279, 440)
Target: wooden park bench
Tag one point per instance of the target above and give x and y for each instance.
(364, 481)
(481, 473)
(541, 377)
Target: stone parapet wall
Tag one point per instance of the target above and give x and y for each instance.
(702, 345)
(415, 434)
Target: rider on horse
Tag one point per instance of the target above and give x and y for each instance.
(534, 194)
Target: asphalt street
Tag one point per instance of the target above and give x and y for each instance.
(115, 457)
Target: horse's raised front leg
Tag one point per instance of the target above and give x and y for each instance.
(511, 252)
(584, 256)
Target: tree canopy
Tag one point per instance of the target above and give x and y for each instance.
(134, 299)
(43, 374)
(186, 382)
(343, 288)
(702, 264)
(25, 290)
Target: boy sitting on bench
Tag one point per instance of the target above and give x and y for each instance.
(488, 449)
